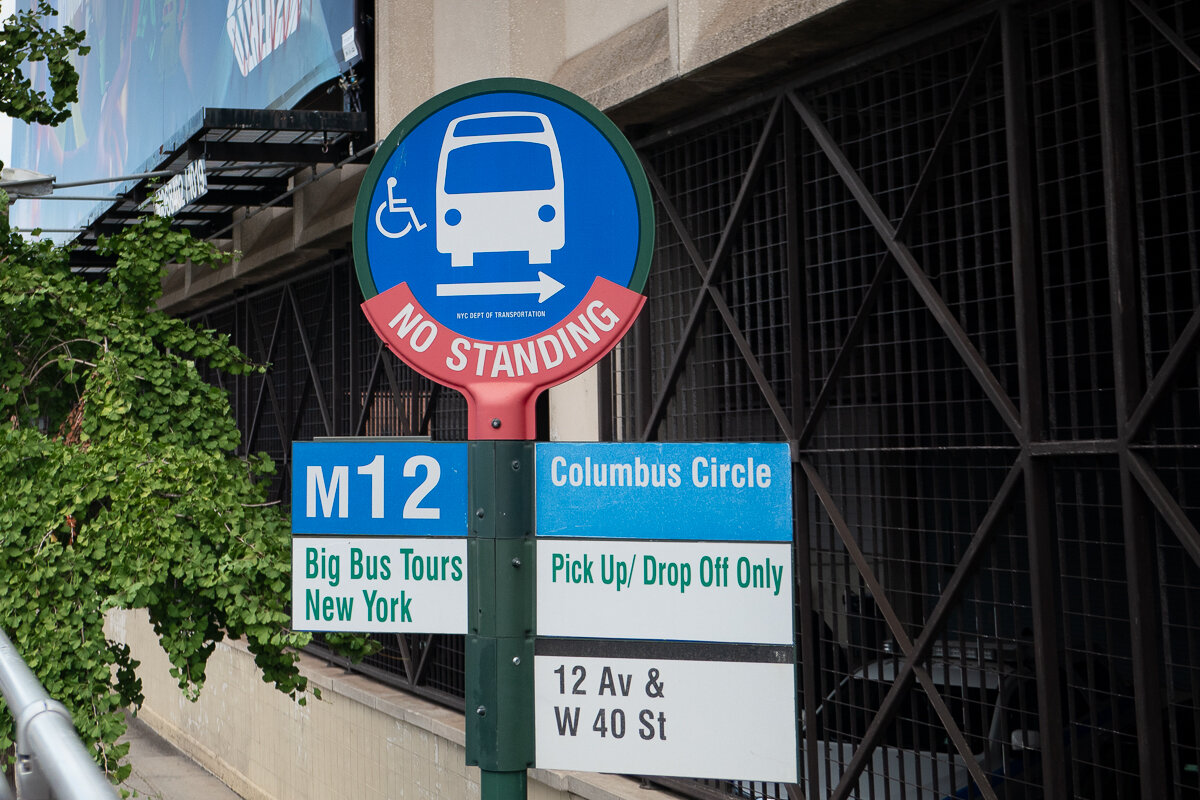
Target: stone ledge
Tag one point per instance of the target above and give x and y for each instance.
(231, 669)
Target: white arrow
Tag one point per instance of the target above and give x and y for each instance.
(544, 287)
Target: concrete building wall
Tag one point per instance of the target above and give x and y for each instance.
(607, 52)
(631, 58)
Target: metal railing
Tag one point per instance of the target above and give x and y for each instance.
(51, 761)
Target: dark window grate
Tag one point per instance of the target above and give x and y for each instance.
(362, 392)
(908, 375)
(921, 280)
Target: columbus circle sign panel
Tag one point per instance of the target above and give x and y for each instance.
(502, 238)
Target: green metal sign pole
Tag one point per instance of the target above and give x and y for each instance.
(481, 339)
(499, 647)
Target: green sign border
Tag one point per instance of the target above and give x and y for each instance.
(606, 127)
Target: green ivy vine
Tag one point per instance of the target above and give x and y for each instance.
(119, 482)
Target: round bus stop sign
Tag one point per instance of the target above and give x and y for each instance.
(502, 237)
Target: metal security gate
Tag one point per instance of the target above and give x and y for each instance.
(961, 275)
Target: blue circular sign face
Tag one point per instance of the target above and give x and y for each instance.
(499, 204)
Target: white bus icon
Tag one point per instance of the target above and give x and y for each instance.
(500, 187)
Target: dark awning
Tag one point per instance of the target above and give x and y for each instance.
(250, 154)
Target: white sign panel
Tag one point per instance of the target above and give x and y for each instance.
(379, 584)
(186, 187)
(699, 591)
(658, 717)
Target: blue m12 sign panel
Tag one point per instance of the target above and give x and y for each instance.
(715, 491)
(379, 488)
(379, 540)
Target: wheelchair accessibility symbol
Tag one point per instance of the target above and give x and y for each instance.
(396, 205)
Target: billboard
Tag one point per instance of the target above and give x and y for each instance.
(154, 64)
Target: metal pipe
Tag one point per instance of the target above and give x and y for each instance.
(158, 173)
(27, 182)
(48, 230)
(97, 198)
(51, 760)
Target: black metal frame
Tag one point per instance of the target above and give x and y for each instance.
(1025, 399)
(252, 155)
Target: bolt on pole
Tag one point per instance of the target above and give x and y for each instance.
(500, 600)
